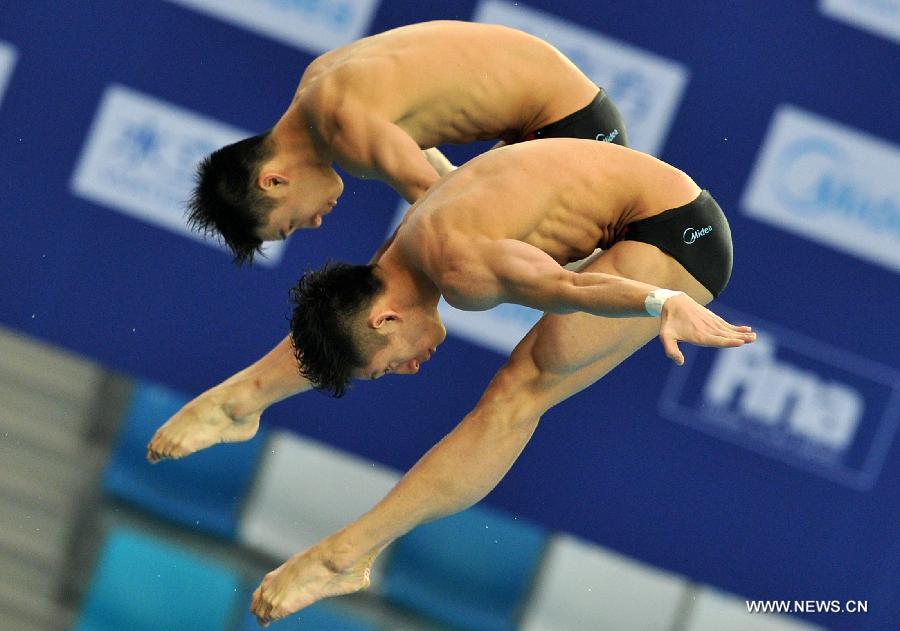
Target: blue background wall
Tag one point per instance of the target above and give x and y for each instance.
(622, 464)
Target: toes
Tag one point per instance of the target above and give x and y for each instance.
(277, 613)
(154, 453)
(163, 449)
(263, 617)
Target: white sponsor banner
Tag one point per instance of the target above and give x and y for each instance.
(829, 183)
(313, 25)
(881, 17)
(140, 157)
(793, 398)
(7, 62)
(647, 88)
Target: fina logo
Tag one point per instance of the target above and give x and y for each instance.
(775, 394)
(792, 398)
(692, 234)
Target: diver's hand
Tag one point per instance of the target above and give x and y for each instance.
(684, 320)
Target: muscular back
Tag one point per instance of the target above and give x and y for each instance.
(565, 197)
(451, 82)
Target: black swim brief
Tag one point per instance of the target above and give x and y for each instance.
(696, 235)
(598, 120)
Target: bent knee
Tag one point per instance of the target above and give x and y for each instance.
(649, 264)
(519, 391)
(567, 344)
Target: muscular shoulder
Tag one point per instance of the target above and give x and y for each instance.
(334, 113)
(320, 99)
(465, 278)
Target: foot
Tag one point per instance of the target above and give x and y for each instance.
(207, 420)
(303, 580)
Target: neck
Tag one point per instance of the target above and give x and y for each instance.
(406, 285)
(294, 135)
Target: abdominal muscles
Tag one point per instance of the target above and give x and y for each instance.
(570, 237)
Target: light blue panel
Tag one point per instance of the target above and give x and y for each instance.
(471, 570)
(205, 491)
(142, 584)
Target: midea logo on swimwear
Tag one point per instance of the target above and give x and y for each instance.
(604, 138)
(692, 234)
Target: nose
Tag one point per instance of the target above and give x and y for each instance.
(411, 367)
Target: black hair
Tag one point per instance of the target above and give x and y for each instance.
(226, 200)
(327, 302)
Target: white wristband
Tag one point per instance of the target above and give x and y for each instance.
(655, 300)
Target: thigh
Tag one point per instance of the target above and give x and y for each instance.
(563, 354)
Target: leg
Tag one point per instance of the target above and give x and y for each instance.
(563, 354)
(230, 411)
(560, 356)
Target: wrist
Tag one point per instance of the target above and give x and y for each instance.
(656, 299)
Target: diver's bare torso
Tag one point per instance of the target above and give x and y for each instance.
(565, 197)
(450, 82)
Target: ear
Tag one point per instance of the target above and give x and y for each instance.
(269, 180)
(378, 319)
